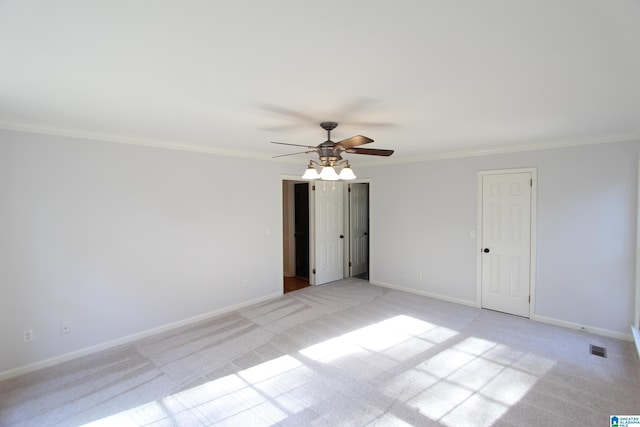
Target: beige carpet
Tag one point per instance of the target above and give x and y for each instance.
(346, 353)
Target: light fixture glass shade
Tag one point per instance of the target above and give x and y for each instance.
(346, 173)
(311, 173)
(328, 173)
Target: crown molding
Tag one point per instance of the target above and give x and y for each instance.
(94, 136)
(507, 149)
(442, 155)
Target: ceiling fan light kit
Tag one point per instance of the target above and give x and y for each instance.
(330, 155)
(328, 173)
(346, 173)
(311, 172)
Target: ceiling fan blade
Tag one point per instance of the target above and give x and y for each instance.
(294, 154)
(279, 127)
(287, 112)
(295, 145)
(370, 151)
(369, 124)
(354, 141)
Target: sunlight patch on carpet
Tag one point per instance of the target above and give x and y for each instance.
(373, 338)
(259, 395)
(467, 384)
(473, 381)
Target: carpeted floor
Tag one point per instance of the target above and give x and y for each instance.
(346, 353)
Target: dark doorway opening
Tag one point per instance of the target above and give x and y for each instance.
(296, 238)
(301, 229)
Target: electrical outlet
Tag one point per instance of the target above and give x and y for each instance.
(28, 335)
(65, 328)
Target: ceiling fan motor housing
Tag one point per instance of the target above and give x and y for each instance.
(328, 126)
(329, 153)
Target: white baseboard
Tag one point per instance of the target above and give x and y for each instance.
(425, 293)
(542, 319)
(130, 338)
(585, 328)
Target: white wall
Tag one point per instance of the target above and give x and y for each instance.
(421, 215)
(119, 239)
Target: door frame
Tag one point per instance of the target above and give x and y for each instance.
(288, 193)
(534, 221)
(347, 231)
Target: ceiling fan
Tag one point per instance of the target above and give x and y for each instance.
(330, 154)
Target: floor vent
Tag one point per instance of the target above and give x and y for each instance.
(598, 351)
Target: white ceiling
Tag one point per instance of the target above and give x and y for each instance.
(427, 78)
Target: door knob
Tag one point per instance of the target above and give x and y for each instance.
(341, 236)
(486, 250)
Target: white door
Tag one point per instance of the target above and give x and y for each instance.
(506, 242)
(329, 238)
(359, 228)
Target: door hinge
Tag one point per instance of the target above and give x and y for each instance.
(314, 271)
(529, 298)
(531, 182)
(349, 263)
(313, 187)
(349, 188)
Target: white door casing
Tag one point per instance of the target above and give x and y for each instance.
(506, 241)
(329, 232)
(359, 228)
